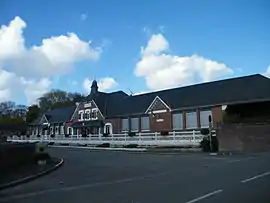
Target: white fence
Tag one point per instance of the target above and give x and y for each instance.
(184, 139)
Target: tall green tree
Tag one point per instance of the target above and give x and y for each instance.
(58, 98)
(33, 112)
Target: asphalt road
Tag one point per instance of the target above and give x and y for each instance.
(97, 177)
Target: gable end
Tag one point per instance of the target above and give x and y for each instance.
(157, 105)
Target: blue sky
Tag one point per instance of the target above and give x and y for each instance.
(189, 42)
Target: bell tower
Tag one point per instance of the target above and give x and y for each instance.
(94, 88)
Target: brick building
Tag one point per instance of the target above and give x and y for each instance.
(183, 108)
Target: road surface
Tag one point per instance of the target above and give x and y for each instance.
(106, 176)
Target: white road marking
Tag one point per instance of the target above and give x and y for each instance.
(204, 196)
(255, 177)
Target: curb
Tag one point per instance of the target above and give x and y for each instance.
(133, 151)
(32, 177)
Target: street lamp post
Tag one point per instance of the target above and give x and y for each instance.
(210, 131)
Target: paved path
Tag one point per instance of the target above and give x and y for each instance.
(118, 177)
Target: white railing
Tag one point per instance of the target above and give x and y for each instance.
(184, 138)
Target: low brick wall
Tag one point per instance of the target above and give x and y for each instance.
(244, 137)
(15, 154)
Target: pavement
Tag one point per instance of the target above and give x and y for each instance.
(114, 176)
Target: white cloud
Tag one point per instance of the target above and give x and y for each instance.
(267, 72)
(35, 66)
(162, 70)
(34, 89)
(104, 84)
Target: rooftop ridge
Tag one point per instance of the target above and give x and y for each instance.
(198, 84)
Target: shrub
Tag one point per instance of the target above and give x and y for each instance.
(41, 148)
(52, 135)
(107, 145)
(163, 133)
(131, 134)
(41, 156)
(205, 144)
(66, 135)
(205, 131)
(38, 135)
(131, 146)
(215, 144)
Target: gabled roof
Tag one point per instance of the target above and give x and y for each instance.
(251, 88)
(60, 115)
(104, 101)
(228, 91)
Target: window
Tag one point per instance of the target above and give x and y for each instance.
(134, 124)
(204, 117)
(69, 130)
(87, 114)
(62, 130)
(177, 121)
(56, 130)
(51, 129)
(81, 115)
(145, 123)
(125, 124)
(93, 114)
(191, 120)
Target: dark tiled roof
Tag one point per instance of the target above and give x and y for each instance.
(229, 91)
(234, 90)
(60, 115)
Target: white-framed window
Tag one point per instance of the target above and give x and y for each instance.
(69, 131)
(177, 121)
(81, 115)
(87, 114)
(191, 120)
(108, 128)
(51, 130)
(124, 126)
(62, 130)
(94, 114)
(145, 123)
(56, 130)
(134, 124)
(204, 118)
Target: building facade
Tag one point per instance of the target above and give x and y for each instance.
(178, 109)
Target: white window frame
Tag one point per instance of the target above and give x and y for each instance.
(70, 128)
(122, 125)
(138, 120)
(81, 112)
(145, 130)
(62, 132)
(96, 111)
(195, 117)
(51, 130)
(56, 131)
(181, 113)
(206, 110)
(110, 126)
(87, 111)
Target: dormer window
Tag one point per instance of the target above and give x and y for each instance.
(93, 114)
(87, 114)
(81, 115)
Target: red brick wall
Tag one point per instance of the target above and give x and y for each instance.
(244, 137)
(217, 115)
(116, 123)
(165, 125)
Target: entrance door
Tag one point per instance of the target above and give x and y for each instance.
(107, 129)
